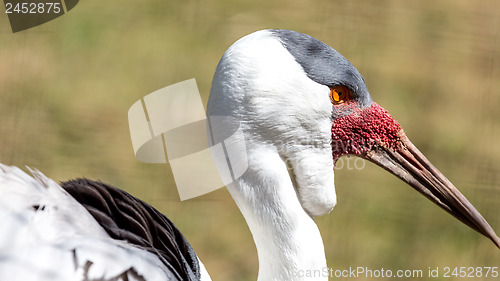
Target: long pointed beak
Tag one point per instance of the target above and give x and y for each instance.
(410, 165)
(372, 133)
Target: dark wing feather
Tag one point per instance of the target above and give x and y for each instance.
(125, 217)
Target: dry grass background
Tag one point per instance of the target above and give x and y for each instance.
(66, 86)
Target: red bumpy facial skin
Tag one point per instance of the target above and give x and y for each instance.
(358, 132)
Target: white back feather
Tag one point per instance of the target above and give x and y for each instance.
(48, 235)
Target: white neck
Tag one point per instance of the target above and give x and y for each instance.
(289, 244)
(284, 117)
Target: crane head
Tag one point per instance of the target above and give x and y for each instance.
(295, 95)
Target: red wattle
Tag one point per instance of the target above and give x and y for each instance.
(359, 131)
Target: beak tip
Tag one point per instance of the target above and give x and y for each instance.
(410, 165)
(496, 240)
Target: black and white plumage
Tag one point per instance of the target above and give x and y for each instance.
(127, 218)
(85, 230)
(301, 105)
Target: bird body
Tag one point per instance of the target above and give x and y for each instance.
(47, 234)
(300, 106)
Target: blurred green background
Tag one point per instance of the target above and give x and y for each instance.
(66, 87)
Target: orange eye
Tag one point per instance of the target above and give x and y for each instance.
(339, 94)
